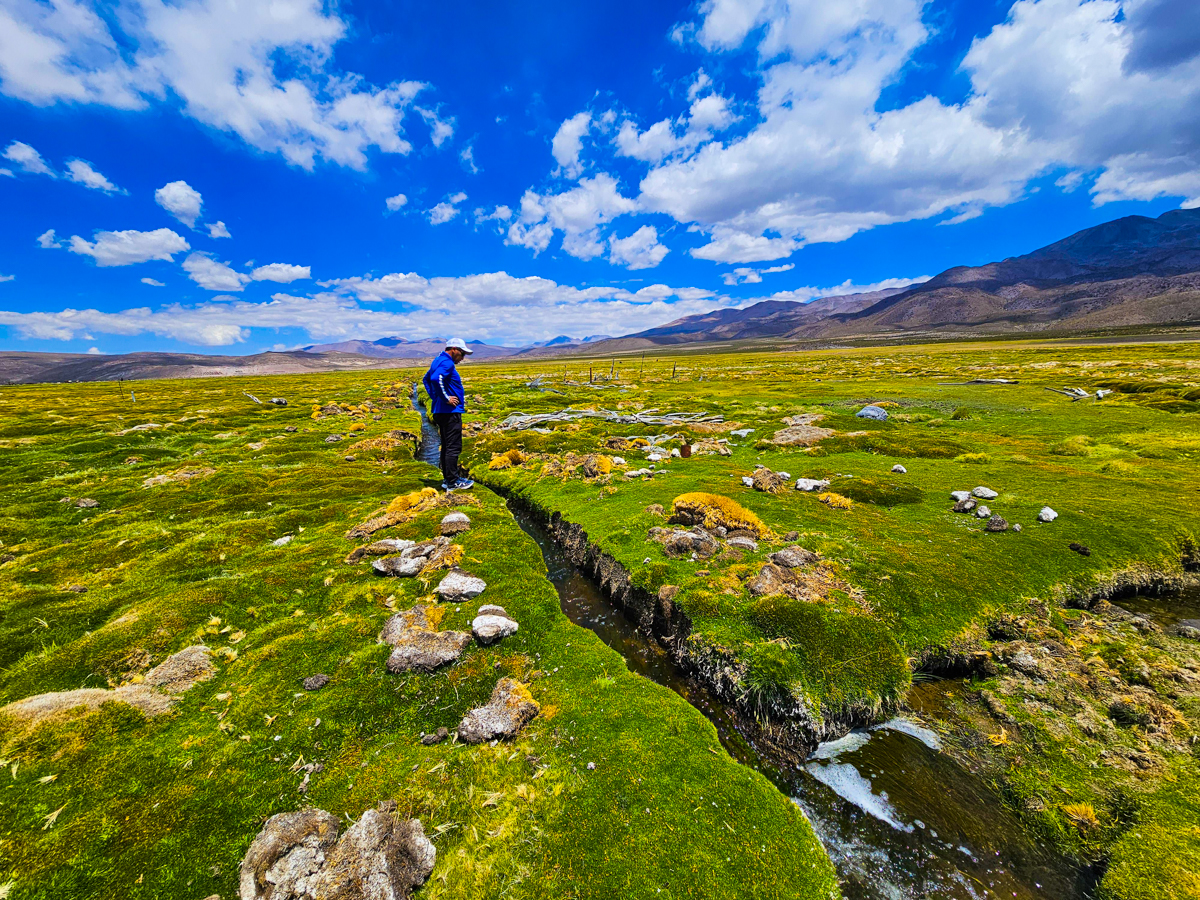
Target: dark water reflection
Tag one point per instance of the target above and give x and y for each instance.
(900, 820)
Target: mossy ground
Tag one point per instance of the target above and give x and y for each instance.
(113, 804)
(924, 582)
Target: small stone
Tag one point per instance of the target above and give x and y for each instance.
(7, 558)
(291, 429)
(351, 458)
(996, 524)
(965, 505)
(748, 481)
(454, 523)
(458, 586)
(676, 454)
(436, 738)
(959, 496)
(984, 493)
(282, 542)
(811, 484)
(380, 857)
(316, 682)
(333, 438)
(743, 543)
(592, 766)
(510, 709)
(792, 536)
(1047, 515)
(388, 545)
(255, 445)
(77, 589)
(983, 513)
(87, 503)
(619, 461)
(793, 557)
(899, 469)
(278, 401)
(872, 412)
(491, 609)
(490, 628)
(399, 566)
(1017, 527)
(1080, 549)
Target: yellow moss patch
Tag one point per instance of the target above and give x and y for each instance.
(357, 427)
(506, 460)
(712, 510)
(1081, 815)
(414, 502)
(836, 501)
(447, 559)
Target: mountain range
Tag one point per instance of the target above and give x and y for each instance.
(1131, 273)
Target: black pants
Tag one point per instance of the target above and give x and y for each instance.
(450, 429)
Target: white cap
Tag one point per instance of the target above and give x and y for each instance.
(459, 344)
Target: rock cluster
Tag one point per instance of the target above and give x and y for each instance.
(412, 559)
(298, 856)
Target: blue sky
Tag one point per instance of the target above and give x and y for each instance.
(230, 176)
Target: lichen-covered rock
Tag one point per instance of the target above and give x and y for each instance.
(458, 586)
(417, 644)
(454, 523)
(772, 579)
(983, 512)
(984, 493)
(959, 496)
(490, 628)
(741, 542)
(965, 505)
(286, 856)
(491, 609)
(380, 857)
(180, 671)
(316, 682)
(811, 484)
(996, 524)
(509, 710)
(399, 566)
(793, 557)
(677, 542)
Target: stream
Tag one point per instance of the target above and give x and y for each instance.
(900, 820)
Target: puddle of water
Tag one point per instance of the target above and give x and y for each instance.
(900, 820)
(1164, 610)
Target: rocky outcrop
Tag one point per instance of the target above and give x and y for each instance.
(417, 644)
(509, 710)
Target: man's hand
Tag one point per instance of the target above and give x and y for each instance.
(453, 401)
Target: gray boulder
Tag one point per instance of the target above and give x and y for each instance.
(899, 469)
(1047, 515)
(771, 579)
(455, 523)
(416, 645)
(399, 566)
(491, 627)
(510, 709)
(996, 524)
(458, 586)
(743, 543)
(959, 496)
(793, 557)
(984, 493)
(284, 859)
(872, 412)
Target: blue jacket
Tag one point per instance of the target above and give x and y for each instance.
(441, 382)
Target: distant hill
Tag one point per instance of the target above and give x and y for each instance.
(400, 348)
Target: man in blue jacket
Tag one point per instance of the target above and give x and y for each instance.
(445, 390)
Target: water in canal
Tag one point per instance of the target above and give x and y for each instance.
(900, 820)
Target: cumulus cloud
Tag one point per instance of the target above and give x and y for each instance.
(568, 144)
(7, 278)
(82, 173)
(808, 294)
(502, 308)
(47, 241)
(181, 200)
(577, 213)
(153, 282)
(748, 275)
(641, 250)
(707, 116)
(395, 203)
(446, 210)
(126, 248)
(218, 230)
(283, 273)
(27, 157)
(213, 275)
(262, 71)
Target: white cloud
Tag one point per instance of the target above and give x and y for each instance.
(262, 71)
(468, 160)
(747, 275)
(4, 278)
(283, 273)
(641, 250)
(94, 351)
(395, 203)
(440, 130)
(577, 213)
(7, 173)
(447, 209)
(181, 200)
(213, 275)
(153, 282)
(568, 144)
(1090, 86)
(82, 173)
(218, 230)
(806, 294)
(47, 241)
(499, 307)
(125, 248)
(499, 214)
(25, 156)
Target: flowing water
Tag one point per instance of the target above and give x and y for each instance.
(430, 448)
(1165, 609)
(900, 820)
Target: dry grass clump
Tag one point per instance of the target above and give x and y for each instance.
(507, 459)
(836, 501)
(1081, 815)
(413, 503)
(357, 427)
(1079, 445)
(713, 510)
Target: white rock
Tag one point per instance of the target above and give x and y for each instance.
(655, 457)
(784, 474)
(811, 484)
(899, 469)
(280, 542)
(675, 452)
(983, 513)
(958, 496)
(985, 493)
(1047, 515)
(743, 543)
(395, 545)
(619, 461)
(748, 481)
(458, 586)
(455, 517)
(489, 629)
(399, 566)
(742, 432)
(491, 609)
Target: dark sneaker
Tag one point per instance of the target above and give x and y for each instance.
(463, 484)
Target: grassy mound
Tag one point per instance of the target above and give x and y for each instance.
(713, 511)
(880, 493)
